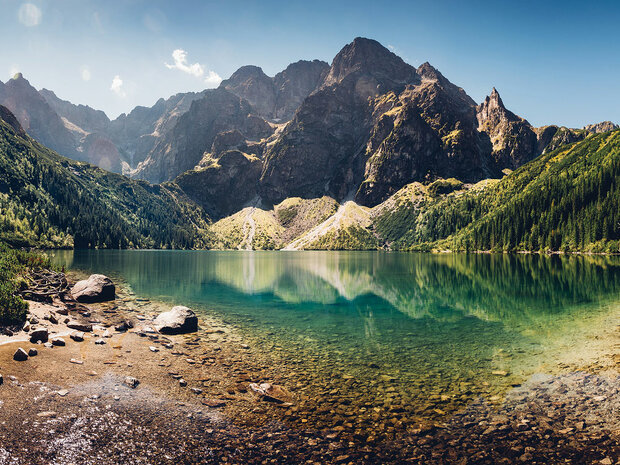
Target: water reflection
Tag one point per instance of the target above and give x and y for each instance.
(506, 288)
(422, 333)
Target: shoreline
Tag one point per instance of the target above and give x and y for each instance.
(216, 409)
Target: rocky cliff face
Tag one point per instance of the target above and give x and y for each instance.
(279, 97)
(184, 146)
(37, 117)
(604, 126)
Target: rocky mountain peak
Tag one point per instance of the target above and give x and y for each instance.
(368, 57)
(492, 110)
(603, 126)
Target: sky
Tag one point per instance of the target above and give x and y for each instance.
(553, 62)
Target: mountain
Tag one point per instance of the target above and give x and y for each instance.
(276, 98)
(567, 199)
(184, 146)
(36, 116)
(47, 200)
(136, 133)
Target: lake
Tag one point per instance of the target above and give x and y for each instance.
(423, 334)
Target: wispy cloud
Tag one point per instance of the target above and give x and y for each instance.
(196, 69)
(213, 79)
(180, 63)
(117, 86)
(85, 73)
(29, 15)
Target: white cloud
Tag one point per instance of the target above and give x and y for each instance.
(13, 70)
(213, 79)
(180, 63)
(85, 72)
(117, 86)
(29, 15)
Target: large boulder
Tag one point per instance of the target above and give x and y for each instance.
(177, 321)
(97, 288)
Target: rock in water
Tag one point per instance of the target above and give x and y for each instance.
(97, 288)
(272, 392)
(177, 321)
(20, 355)
(39, 335)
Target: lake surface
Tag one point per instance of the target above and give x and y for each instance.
(417, 333)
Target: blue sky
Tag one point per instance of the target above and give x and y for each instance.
(552, 62)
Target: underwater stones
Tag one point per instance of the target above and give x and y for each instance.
(271, 392)
(97, 288)
(179, 320)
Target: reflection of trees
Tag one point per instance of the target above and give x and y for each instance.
(505, 288)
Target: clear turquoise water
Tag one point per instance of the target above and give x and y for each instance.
(427, 325)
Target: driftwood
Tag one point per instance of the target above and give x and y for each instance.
(44, 284)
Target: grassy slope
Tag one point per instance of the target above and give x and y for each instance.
(47, 200)
(568, 199)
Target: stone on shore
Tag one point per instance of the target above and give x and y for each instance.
(20, 355)
(131, 382)
(77, 336)
(179, 320)
(97, 288)
(39, 335)
(32, 352)
(84, 327)
(58, 341)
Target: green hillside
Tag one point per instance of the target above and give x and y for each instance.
(566, 200)
(49, 201)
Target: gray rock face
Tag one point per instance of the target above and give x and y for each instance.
(97, 288)
(603, 126)
(177, 321)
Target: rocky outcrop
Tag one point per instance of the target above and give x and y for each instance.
(232, 171)
(279, 97)
(183, 148)
(37, 117)
(97, 288)
(177, 321)
(604, 126)
(513, 139)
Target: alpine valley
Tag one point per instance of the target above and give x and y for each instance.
(366, 153)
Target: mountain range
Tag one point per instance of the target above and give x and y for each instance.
(318, 156)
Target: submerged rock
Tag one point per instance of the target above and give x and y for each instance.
(97, 288)
(177, 321)
(271, 392)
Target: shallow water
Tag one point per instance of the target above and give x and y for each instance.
(416, 335)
